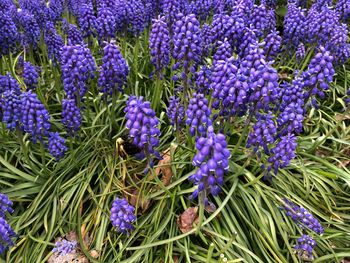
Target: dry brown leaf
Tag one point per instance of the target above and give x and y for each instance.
(186, 220)
(138, 201)
(165, 169)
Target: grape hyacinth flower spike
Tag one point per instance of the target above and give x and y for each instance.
(114, 70)
(35, 119)
(6, 233)
(212, 159)
(176, 112)
(64, 247)
(159, 43)
(56, 145)
(122, 215)
(5, 205)
(302, 216)
(71, 116)
(142, 123)
(10, 104)
(304, 247)
(198, 115)
(30, 75)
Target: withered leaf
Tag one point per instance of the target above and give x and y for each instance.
(186, 220)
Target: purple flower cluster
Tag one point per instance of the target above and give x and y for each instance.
(198, 115)
(64, 247)
(74, 36)
(176, 112)
(78, 66)
(283, 152)
(343, 9)
(229, 91)
(202, 79)
(5, 205)
(300, 53)
(225, 26)
(305, 246)
(142, 123)
(9, 34)
(159, 43)
(10, 104)
(56, 145)
(31, 29)
(87, 19)
(294, 25)
(71, 116)
(212, 158)
(6, 232)
(114, 70)
(35, 119)
(263, 133)
(106, 24)
(122, 215)
(187, 43)
(319, 73)
(53, 42)
(302, 216)
(30, 75)
(272, 45)
(223, 52)
(261, 19)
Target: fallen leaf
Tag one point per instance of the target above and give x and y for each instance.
(137, 200)
(164, 168)
(187, 218)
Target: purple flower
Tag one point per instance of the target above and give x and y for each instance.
(78, 66)
(5, 205)
(262, 19)
(212, 158)
(272, 45)
(38, 8)
(56, 9)
(35, 119)
(56, 145)
(71, 116)
(53, 42)
(206, 40)
(302, 216)
(202, 79)
(122, 215)
(176, 112)
(263, 86)
(10, 104)
(31, 29)
(106, 24)
(6, 233)
(30, 75)
(291, 119)
(201, 8)
(64, 247)
(248, 44)
(319, 73)
(198, 115)
(187, 44)
(114, 70)
(136, 16)
(9, 34)
(304, 247)
(223, 52)
(229, 92)
(338, 44)
(159, 43)
(283, 152)
(7, 82)
(142, 123)
(171, 9)
(74, 36)
(263, 133)
(343, 9)
(229, 27)
(300, 53)
(87, 19)
(294, 25)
